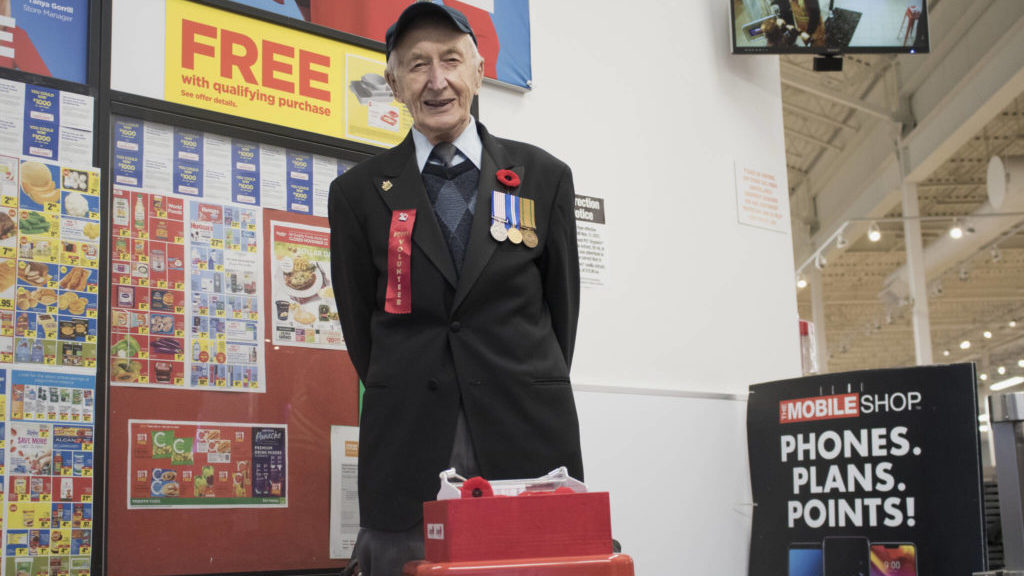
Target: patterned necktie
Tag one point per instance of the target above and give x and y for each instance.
(452, 191)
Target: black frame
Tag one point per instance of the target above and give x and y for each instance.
(831, 51)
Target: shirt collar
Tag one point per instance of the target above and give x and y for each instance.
(468, 143)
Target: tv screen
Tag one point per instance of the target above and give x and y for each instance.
(829, 26)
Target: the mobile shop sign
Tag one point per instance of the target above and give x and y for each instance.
(874, 472)
(233, 64)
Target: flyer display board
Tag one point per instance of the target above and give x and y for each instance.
(48, 38)
(187, 295)
(46, 471)
(45, 123)
(221, 61)
(872, 472)
(207, 464)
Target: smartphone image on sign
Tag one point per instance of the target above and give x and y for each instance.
(805, 559)
(893, 559)
(845, 555)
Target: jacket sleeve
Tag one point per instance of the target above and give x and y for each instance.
(353, 275)
(561, 267)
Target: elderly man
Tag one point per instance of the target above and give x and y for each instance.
(455, 268)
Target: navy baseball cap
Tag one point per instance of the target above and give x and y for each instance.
(414, 11)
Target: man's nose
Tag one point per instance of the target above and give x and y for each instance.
(438, 78)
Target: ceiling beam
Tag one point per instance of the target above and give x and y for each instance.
(801, 111)
(790, 79)
(813, 140)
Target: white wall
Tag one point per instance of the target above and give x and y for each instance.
(646, 104)
(653, 118)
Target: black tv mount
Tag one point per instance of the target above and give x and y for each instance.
(828, 63)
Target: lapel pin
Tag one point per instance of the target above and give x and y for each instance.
(386, 185)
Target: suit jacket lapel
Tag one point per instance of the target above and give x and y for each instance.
(481, 245)
(404, 191)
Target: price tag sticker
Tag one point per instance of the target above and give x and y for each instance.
(53, 207)
(90, 363)
(143, 354)
(143, 281)
(7, 252)
(90, 313)
(220, 267)
(178, 380)
(86, 472)
(9, 202)
(51, 361)
(179, 334)
(204, 381)
(143, 306)
(179, 309)
(161, 283)
(221, 383)
(44, 497)
(143, 234)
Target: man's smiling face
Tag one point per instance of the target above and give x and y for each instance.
(435, 72)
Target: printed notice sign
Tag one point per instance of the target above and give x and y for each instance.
(873, 472)
(591, 239)
(761, 198)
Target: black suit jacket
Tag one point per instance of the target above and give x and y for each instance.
(500, 336)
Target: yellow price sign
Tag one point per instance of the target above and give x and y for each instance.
(220, 267)
(144, 235)
(51, 361)
(179, 334)
(90, 363)
(143, 281)
(143, 354)
(7, 303)
(143, 306)
(204, 381)
(161, 284)
(179, 309)
(92, 288)
(22, 552)
(124, 232)
(91, 338)
(44, 497)
(143, 258)
(86, 497)
(221, 383)
(179, 381)
(86, 472)
(7, 251)
(179, 286)
(90, 313)
(9, 202)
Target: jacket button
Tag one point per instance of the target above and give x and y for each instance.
(455, 326)
(432, 384)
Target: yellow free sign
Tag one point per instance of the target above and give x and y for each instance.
(233, 64)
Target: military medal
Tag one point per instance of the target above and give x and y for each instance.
(498, 216)
(529, 225)
(515, 235)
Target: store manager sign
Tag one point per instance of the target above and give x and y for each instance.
(874, 472)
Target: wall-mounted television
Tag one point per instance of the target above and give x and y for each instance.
(829, 26)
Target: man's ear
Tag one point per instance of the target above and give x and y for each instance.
(389, 77)
(479, 73)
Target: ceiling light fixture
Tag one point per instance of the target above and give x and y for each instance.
(965, 345)
(1020, 362)
(983, 377)
(820, 261)
(1001, 370)
(874, 232)
(995, 254)
(965, 275)
(987, 334)
(945, 352)
(1004, 384)
(801, 281)
(841, 242)
(1012, 323)
(956, 232)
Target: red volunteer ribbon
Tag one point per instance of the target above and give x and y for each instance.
(398, 299)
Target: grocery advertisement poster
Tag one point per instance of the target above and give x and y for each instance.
(48, 38)
(46, 471)
(185, 310)
(247, 67)
(305, 313)
(49, 262)
(207, 465)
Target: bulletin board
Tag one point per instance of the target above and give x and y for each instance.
(226, 364)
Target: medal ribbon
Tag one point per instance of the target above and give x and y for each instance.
(512, 205)
(528, 213)
(498, 206)
(398, 299)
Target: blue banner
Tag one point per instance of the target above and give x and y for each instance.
(127, 166)
(188, 162)
(245, 172)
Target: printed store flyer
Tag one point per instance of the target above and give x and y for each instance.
(46, 471)
(305, 312)
(207, 465)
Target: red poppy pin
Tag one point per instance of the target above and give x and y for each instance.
(476, 487)
(509, 178)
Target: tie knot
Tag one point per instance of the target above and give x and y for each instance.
(444, 153)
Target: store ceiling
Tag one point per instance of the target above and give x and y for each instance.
(829, 119)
